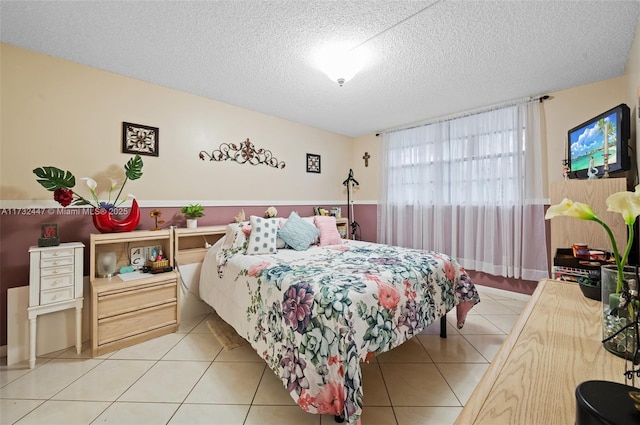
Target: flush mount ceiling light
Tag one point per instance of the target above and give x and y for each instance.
(340, 64)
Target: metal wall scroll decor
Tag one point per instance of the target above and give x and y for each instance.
(243, 153)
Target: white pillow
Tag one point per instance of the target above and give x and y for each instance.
(262, 239)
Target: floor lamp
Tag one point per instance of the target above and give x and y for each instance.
(350, 183)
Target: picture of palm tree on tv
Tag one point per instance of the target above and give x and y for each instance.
(594, 141)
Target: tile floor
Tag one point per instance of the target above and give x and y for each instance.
(186, 378)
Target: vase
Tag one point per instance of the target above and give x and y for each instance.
(104, 221)
(192, 223)
(618, 336)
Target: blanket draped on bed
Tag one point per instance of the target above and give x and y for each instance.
(313, 319)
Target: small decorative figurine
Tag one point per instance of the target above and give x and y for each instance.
(592, 172)
(565, 169)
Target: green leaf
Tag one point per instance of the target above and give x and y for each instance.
(52, 178)
(133, 168)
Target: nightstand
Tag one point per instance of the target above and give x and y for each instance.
(130, 308)
(55, 283)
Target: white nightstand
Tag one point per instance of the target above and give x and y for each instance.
(55, 283)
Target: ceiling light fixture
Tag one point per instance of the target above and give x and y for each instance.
(341, 63)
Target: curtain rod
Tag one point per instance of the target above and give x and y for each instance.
(540, 99)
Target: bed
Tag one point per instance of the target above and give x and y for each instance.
(313, 314)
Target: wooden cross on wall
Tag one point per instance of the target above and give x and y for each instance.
(366, 159)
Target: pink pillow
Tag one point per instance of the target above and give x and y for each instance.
(328, 231)
(246, 229)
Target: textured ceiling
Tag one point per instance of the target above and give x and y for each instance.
(427, 59)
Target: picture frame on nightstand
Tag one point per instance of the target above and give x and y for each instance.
(48, 235)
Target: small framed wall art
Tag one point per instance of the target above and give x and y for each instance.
(313, 163)
(140, 139)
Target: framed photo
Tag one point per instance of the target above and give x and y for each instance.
(140, 139)
(313, 163)
(48, 235)
(49, 230)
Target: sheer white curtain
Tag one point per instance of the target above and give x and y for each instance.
(469, 187)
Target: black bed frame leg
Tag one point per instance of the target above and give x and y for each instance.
(339, 419)
(443, 326)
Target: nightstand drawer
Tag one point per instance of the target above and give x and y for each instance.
(56, 253)
(56, 281)
(138, 322)
(54, 271)
(56, 295)
(125, 301)
(55, 262)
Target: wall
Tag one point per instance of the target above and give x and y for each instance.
(69, 115)
(55, 112)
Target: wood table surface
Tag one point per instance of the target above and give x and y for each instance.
(554, 346)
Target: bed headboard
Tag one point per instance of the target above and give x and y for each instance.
(190, 244)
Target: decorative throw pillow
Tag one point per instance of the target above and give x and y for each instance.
(262, 239)
(311, 220)
(235, 243)
(298, 233)
(328, 230)
(280, 244)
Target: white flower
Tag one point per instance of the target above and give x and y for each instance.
(90, 182)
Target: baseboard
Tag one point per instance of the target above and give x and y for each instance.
(504, 293)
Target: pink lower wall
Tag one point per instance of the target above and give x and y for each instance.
(20, 229)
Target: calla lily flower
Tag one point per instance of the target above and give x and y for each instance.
(114, 182)
(90, 182)
(627, 204)
(571, 209)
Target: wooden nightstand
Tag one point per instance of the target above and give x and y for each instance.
(55, 283)
(130, 308)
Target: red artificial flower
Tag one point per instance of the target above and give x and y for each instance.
(63, 196)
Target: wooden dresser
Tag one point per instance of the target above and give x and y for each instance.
(554, 346)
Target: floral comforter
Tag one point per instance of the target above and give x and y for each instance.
(313, 316)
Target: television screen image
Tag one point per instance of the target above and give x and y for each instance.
(604, 135)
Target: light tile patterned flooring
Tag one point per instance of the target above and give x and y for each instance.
(187, 378)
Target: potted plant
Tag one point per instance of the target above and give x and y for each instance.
(192, 212)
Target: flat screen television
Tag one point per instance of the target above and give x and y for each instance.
(605, 134)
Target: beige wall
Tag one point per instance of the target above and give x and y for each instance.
(59, 113)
